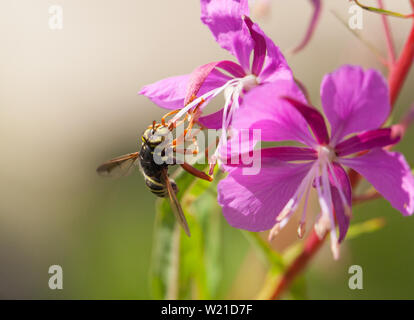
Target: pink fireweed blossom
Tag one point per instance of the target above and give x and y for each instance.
(234, 31)
(355, 103)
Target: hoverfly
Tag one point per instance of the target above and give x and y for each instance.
(155, 175)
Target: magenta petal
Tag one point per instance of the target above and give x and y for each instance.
(268, 155)
(207, 77)
(312, 25)
(367, 140)
(263, 109)
(342, 217)
(224, 18)
(259, 46)
(168, 93)
(214, 80)
(313, 117)
(213, 120)
(239, 147)
(288, 154)
(275, 66)
(253, 202)
(390, 174)
(354, 100)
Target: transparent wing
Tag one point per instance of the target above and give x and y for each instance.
(120, 166)
(175, 205)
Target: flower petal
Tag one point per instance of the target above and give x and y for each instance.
(168, 93)
(203, 76)
(275, 66)
(224, 18)
(354, 100)
(259, 46)
(253, 202)
(390, 174)
(313, 117)
(341, 180)
(368, 140)
(312, 25)
(270, 154)
(265, 110)
(212, 120)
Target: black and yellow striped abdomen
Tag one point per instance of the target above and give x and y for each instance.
(156, 186)
(153, 172)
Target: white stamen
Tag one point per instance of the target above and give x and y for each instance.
(274, 232)
(335, 247)
(211, 94)
(232, 92)
(323, 200)
(292, 205)
(321, 226)
(277, 227)
(328, 198)
(289, 207)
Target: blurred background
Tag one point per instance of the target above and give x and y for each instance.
(68, 101)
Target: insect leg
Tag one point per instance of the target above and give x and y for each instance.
(168, 115)
(195, 172)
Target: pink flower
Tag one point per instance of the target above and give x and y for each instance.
(234, 31)
(355, 102)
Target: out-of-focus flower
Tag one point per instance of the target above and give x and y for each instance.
(355, 102)
(261, 8)
(234, 31)
(317, 5)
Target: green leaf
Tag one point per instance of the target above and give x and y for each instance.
(204, 263)
(165, 245)
(207, 267)
(191, 263)
(162, 268)
(181, 264)
(368, 226)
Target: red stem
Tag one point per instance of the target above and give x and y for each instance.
(397, 77)
(401, 68)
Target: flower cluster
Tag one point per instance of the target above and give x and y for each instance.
(261, 93)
